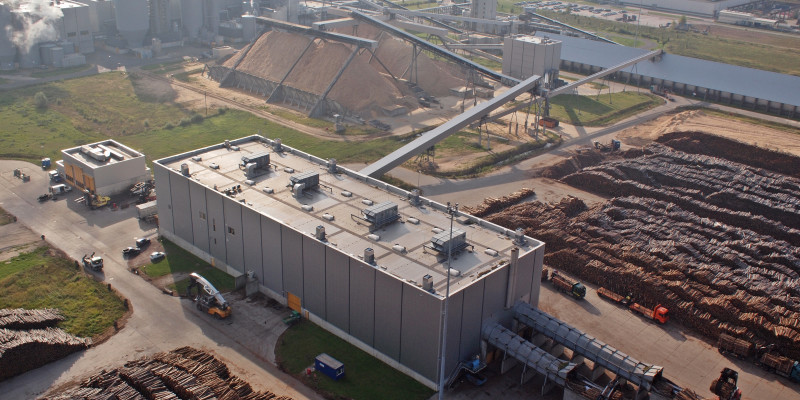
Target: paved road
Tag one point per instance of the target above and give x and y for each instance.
(159, 322)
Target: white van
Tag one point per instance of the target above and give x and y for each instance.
(60, 189)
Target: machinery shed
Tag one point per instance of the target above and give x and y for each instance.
(104, 168)
(362, 284)
(707, 80)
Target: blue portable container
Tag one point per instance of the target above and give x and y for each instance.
(45, 163)
(329, 366)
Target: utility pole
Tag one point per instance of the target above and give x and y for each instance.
(452, 211)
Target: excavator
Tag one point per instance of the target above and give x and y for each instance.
(95, 201)
(208, 297)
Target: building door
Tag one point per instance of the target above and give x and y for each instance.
(293, 302)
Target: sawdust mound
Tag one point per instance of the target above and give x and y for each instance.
(711, 239)
(364, 85)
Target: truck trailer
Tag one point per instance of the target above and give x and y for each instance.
(575, 289)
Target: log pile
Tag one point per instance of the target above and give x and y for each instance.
(493, 205)
(20, 318)
(712, 240)
(184, 373)
(24, 350)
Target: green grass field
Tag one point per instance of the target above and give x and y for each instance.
(600, 110)
(45, 278)
(180, 260)
(60, 71)
(366, 377)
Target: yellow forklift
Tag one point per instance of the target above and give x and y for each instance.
(208, 297)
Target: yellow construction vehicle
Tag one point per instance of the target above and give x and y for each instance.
(94, 200)
(208, 297)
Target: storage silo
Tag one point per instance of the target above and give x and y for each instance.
(133, 20)
(192, 13)
(7, 49)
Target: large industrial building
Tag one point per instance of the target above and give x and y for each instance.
(104, 168)
(363, 259)
(525, 56)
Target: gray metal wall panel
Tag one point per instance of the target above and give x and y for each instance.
(164, 202)
(494, 295)
(314, 276)
(536, 281)
(234, 248)
(362, 302)
(420, 331)
(216, 225)
(471, 319)
(388, 296)
(181, 208)
(337, 288)
(292, 250)
(251, 237)
(271, 255)
(199, 224)
(455, 310)
(522, 291)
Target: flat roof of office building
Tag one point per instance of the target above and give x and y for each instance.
(102, 153)
(343, 196)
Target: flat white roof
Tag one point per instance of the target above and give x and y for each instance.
(413, 232)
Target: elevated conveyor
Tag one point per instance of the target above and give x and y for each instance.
(624, 366)
(448, 128)
(462, 61)
(554, 369)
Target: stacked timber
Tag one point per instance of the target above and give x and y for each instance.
(20, 318)
(22, 351)
(184, 373)
(492, 204)
(710, 239)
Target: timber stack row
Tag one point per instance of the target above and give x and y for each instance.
(710, 239)
(184, 373)
(34, 341)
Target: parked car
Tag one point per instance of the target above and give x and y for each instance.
(157, 256)
(142, 242)
(131, 251)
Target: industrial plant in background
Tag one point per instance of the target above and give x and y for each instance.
(44, 33)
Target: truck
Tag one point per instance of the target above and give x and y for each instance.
(55, 176)
(575, 289)
(93, 262)
(741, 348)
(147, 210)
(659, 314)
(781, 365)
(616, 298)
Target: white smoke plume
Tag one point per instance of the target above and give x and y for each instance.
(37, 24)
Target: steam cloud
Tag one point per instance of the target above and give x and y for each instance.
(38, 24)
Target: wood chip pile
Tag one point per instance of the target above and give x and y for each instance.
(20, 318)
(712, 240)
(24, 350)
(184, 373)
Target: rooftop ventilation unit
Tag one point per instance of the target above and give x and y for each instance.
(427, 283)
(414, 197)
(255, 165)
(303, 181)
(440, 242)
(369, 256)
(379, 215)
(96, 153)
(185, 169)
(277, 145)
(332, 166)
(519, 237)
(320, 233)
